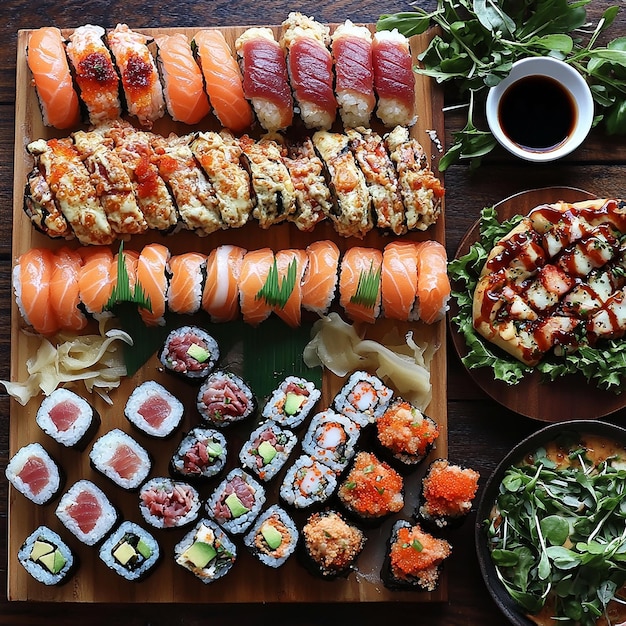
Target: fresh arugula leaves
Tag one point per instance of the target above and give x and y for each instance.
(481, 39)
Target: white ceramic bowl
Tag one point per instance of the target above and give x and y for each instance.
(570, 80)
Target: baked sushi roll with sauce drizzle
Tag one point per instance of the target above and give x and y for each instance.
(153, 410)
(200, 455)
(267, 449)
(41, 209)
(46, 557)
(167, 503)
(307, 483)
(224, 399)
(189, 352)
(35, 474)
(273, 538)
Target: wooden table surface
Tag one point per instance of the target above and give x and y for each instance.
(480, 431)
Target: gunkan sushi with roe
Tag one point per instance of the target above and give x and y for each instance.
(200, 455)
(46, 557)
(153, 410)
(189, 352)
(34, 473)
(273, 538)
(291, 402)
(267, 449)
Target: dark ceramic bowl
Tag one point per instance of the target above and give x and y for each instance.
(501, 597)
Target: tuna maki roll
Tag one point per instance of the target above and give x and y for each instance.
(447, 495)
(68, 418)
(167, 503)
(153, 410)
(236, 501)
(363, 398)
(307, 482)
(200, 455)
(414, 558)
(46, 557)
(130, 551)
(267, 450)
(291, 402)
(189, 352)
(331, 438)
(273, 537)
(86, 512)
(206, 551)
(224, 399)
(331, 545)
(34, 473)
(120, 458)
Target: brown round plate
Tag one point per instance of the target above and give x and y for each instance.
(567, 398)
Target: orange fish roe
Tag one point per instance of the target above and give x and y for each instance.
(372, 488)
(448, 491)
(416, 555)
(403, 429)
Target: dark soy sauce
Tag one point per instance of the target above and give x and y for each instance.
(537, 113)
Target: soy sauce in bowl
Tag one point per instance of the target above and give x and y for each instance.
(537, 113)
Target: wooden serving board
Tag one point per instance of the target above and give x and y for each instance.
(248, 581)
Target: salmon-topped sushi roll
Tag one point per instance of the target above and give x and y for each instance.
(310, 67)
(399, 280)
(433, 284)
(394, 79)
(255, 269)
(53, 82)
(152, 275)
(222, 80)
(64, 290)
(360, 284)
(290, 266)
(95, 74)
(140, 78)
(183, 85)
(220, 297)
(320, 279)
(95, 282)
(265, 80)
(184, 293)
(354, 73)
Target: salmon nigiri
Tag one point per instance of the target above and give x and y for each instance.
(320, 278)
(31, 282)
(183, 86)
(64, 290)
(359, 283)
(433, 284)
(52, 78)
(291, 265)
(222, 80)
(94, 282)
(220, 298)
(184, 294)
(399, 280)
(152, 268)
(255, 270)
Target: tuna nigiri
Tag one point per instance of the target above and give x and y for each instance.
(94, 282)
(52, 78)
(359, 283)
(290, 265)
(220, 298)
(320, 278)
(399, 280)
(255, 270)
(64, 290)
(152, 269)
(265, 80)
(184, 294)
(433, 284)
(222, 80)
(183, 86)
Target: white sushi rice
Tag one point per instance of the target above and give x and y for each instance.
(364, 398)
(257, 544)
(169, 494)
(35, 568)
(103, 451)
(144, 392)
(16, 465)
(253, 460)
(307, 482)
(274, 409)
(104, 523)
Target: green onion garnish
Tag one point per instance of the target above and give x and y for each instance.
(367, 288)
(276, 292)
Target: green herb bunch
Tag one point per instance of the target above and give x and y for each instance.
(558, 536)
(481, 39)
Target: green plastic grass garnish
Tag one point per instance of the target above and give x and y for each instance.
(367, 288)
(275, 291)
(122, 291)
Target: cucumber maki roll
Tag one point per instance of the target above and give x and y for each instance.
(236, 501)
(153, 410)
(130, 551)
(167, 503)
(35, 474)
(414, 558)
(206, 551)
(364, 398)
(68, 418)
(224, 399)
(267, 449)
(200, 455)
(189, 352)
(46, 557)
(273, 537)
(307, 482)
(331, 438)
(290, 404)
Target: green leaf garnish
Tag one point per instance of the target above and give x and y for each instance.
(367, 288)
(122, 291)
(276, 292)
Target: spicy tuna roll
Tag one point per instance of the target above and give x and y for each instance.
(200, 455)
(236, 501)
(363, 398)
(86, 512)
(130, 551)
(167, 503)
(120, 458)
(267, 449)
(68, 418)
(291, 402)
(34, 473)
(224, 399)
(206, 551)
(189, 352)
(307, 482)
(273, 537)
(46, 557)
(153, 410)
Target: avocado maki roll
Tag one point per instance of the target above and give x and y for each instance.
(292, 401)
(267, 449)
(206, 551)
(130, 551)
(153, 410)
(200, 455)
(224, 399)
(189, 352)
(46, 557)
(364, 398)
(273, 537)
(307, 482)
(167, 503)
